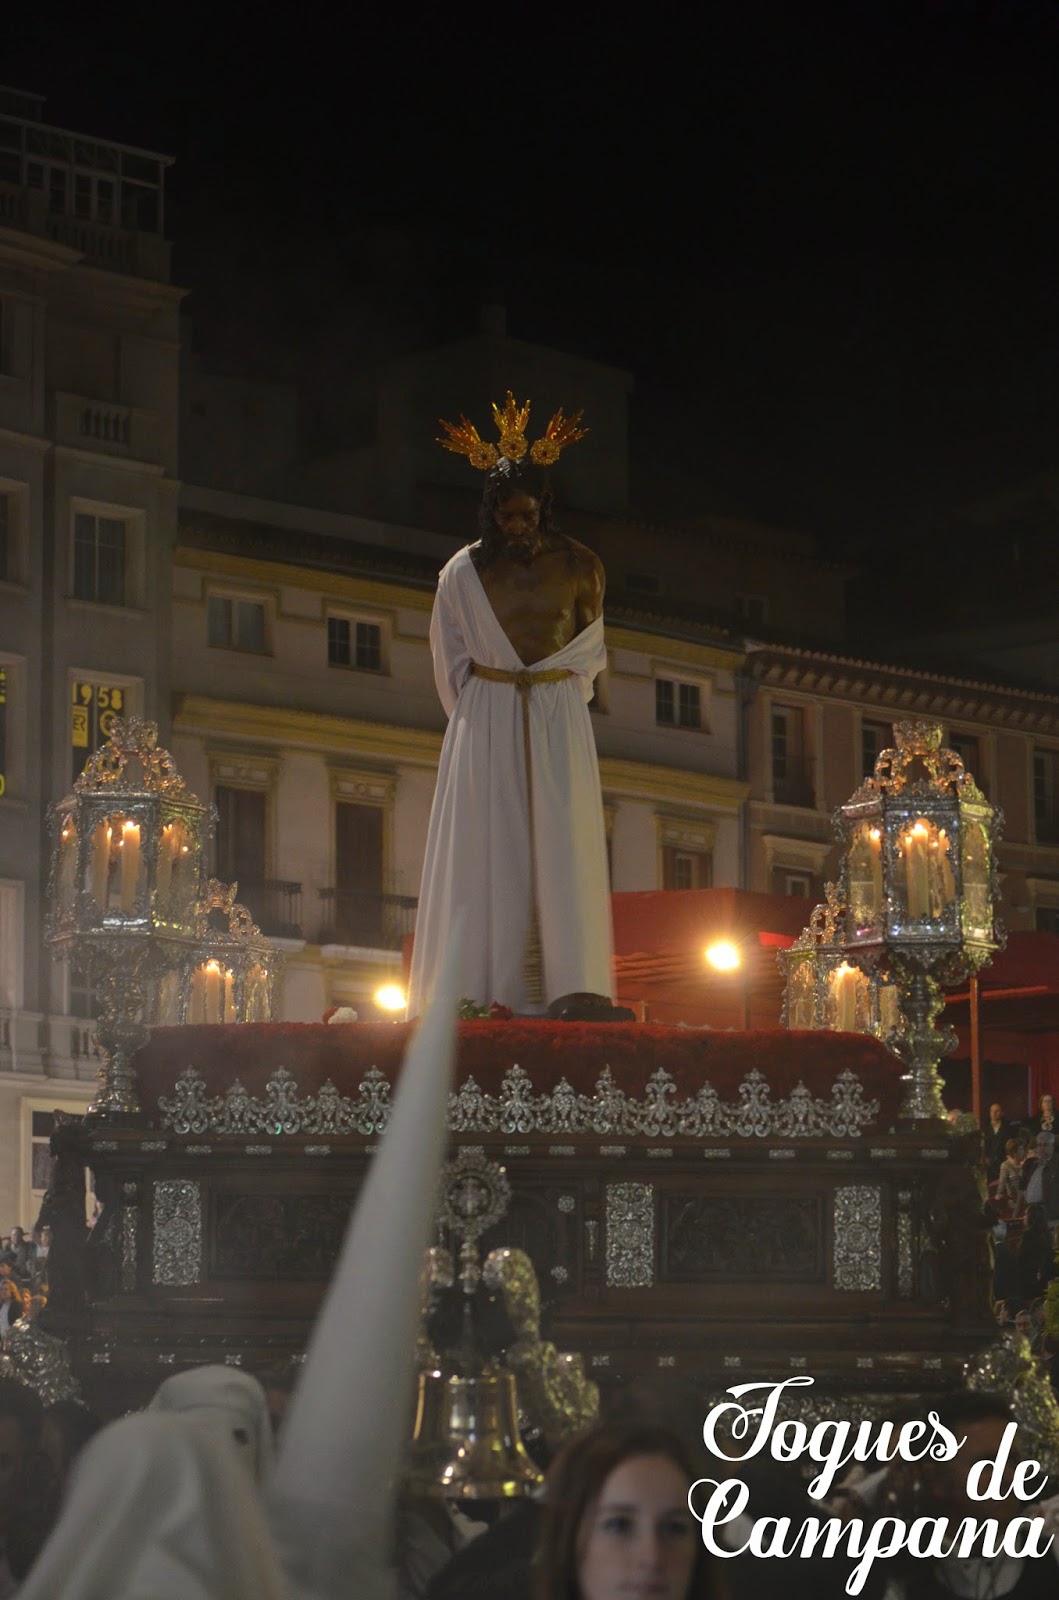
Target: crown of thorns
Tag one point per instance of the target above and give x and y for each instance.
(464, 439)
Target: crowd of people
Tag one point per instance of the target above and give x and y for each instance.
(1022, 1172)
(173, 1503)
(23, 1276)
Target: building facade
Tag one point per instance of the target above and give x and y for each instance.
(89, 346)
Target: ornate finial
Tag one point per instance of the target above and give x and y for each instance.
(560, 432)
(511, 421)
(218, 896)
(511, 426)
(824, 921)
(465, 440)
(131, 759)
(919, 761)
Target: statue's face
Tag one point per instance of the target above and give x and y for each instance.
(518, 519)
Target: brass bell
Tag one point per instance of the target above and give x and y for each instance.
(466, 1443)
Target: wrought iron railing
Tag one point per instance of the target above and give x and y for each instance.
(374, 921)
(275, 905)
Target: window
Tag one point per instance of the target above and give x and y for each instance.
(966, 747)
(92, 714)
(354, 644)
(82, 1001)
(236, 624)
(240, 848)
(790, 773)
(1047, 919)
(12, 937)
(677, 705)
(99, 559)
(1046, 795)
(875, 737)
(798, 884)
(685, 869)
(752, 608)
(358, 906)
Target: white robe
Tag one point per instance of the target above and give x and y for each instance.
(478, 843)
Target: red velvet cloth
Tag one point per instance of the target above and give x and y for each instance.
(549, 1051)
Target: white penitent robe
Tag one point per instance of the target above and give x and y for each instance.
(478, 844)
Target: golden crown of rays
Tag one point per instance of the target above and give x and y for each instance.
(511, 420)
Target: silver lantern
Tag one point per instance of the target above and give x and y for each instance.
(129, 845)
(920, 886)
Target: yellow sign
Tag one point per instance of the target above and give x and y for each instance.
(92, 714)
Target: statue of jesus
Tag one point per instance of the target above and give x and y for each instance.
(516, 830)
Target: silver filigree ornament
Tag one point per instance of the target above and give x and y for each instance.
(630, 1235)
(473, 1195)
(177, 1232)
(39, 1361)
(518, 1109)
(857, 1227)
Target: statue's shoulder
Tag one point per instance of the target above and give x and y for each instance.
(457, 565)
(586, 561)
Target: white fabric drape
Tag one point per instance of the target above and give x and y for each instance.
(478, 843)
(230, 1403)
(159, 1508)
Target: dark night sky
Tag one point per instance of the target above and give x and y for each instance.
(823, 236)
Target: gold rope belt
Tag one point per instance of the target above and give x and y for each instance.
(524, 681)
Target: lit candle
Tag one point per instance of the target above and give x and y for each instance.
(130, 863)
(917, 869)
(68, 857)
(875, 840)
(101, 864)
(213, 992)
(948, 882)
(844, 989)
(165, 861)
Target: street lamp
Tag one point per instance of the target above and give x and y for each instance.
(390, 997)
(725, 956)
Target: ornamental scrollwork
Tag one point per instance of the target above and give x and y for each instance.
(661, 1113)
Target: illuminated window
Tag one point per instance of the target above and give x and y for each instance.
(93, 711)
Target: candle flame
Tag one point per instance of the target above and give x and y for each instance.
(874, 835)
(213, 966)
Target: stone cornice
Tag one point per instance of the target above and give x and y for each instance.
(904, 690)
(673, 647)
(671, 784)
(312, 730)
(337, 585)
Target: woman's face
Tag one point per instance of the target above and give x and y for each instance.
(638, 1540)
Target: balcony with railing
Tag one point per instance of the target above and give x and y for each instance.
(275, 905)
(114, 430)
(371, 921)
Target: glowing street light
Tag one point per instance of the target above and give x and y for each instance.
(723, 956)
(390, 997)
